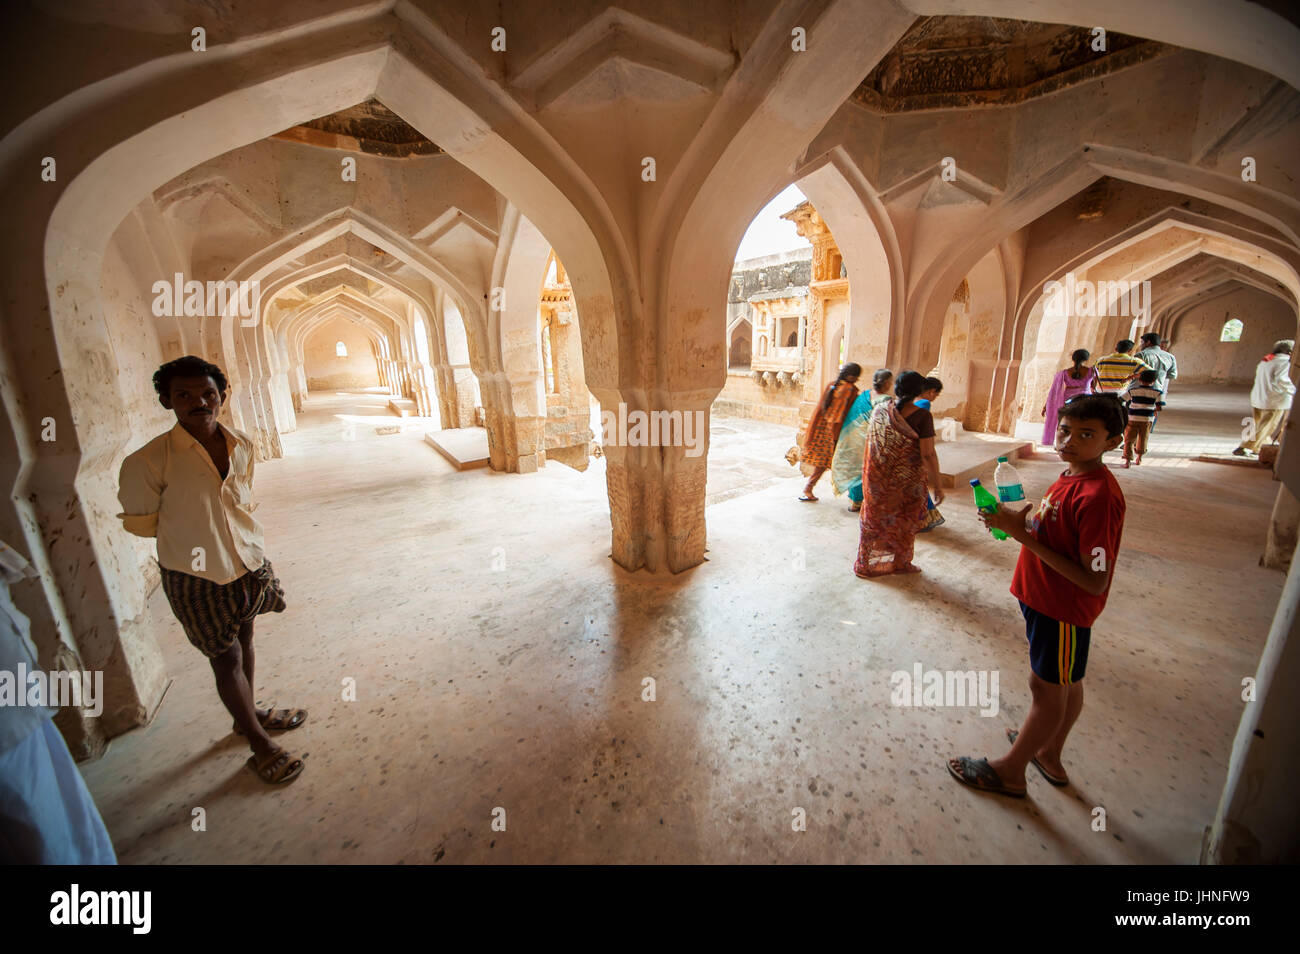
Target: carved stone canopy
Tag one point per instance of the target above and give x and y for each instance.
(807, 222)
(945, 62)
(827, 262)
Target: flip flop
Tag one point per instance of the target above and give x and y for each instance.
(1056, 780)
(807, 499)
(979, 775)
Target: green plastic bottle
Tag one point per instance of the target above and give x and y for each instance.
(985, 502)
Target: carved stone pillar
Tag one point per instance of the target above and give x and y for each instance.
(826, 286)
(656, 493)
(444, 385)
(1283, 529)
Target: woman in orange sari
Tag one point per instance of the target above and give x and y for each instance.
(824, 428)
(900, 463)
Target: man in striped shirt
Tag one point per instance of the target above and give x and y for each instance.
(1143, 400)
(1116, 369)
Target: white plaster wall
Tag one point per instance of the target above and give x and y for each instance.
(1203, 358)
(133, 420)
(326, 371)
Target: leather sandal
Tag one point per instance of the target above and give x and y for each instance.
(279, 767)
(279, 720)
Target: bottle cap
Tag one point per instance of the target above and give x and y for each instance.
(975, 482)
(1002, 460)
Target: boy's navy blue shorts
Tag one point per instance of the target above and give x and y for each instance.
(1058, 652)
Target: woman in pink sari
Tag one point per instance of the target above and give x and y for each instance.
(900, 463)
(1067, 385)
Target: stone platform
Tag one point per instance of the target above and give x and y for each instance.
(464, 447)
(402, 407)
(969, 457)
(1234, 461)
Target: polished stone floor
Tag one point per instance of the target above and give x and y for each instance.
(500, 659)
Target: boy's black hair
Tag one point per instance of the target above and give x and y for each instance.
(933, 384)
(909, 385)
(1147, 377)
(1106, 408)
(1124, 345)
(189, 366)
(1151, 339)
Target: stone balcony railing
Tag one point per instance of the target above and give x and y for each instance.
(779, 359)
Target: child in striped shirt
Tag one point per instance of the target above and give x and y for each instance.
(1143, 400)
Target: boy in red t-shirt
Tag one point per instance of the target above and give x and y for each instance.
(1062, 579)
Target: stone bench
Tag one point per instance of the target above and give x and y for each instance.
(969, 456)
(464, 447)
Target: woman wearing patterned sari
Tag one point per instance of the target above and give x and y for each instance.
(846, 467)
(824, 428)
(900, 463)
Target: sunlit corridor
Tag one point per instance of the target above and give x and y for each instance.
(772, 683)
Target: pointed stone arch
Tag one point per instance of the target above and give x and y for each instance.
(852, 210)
(120, 143)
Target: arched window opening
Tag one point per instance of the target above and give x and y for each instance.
(789, 330)
(340, 349)
(1231, 330)
(740, 346)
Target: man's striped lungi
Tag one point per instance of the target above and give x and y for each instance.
(212, 613)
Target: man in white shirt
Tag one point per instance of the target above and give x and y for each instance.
(1270, 398)
(192, 489)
